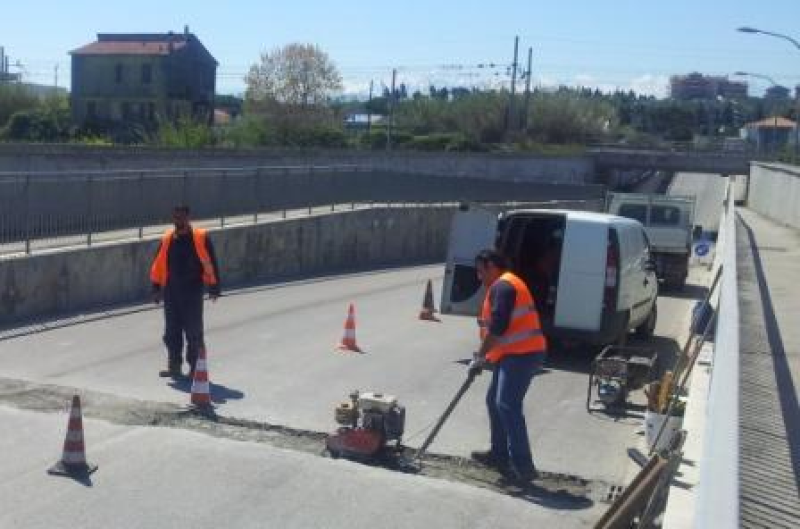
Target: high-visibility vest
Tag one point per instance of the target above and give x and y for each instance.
(524, 333)
(159, 270)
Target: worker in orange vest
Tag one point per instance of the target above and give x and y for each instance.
(513, 343)
(184, 267)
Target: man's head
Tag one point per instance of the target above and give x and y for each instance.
(490, 265)
(180, 218)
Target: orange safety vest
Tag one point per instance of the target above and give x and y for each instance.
(524, 334)
(159, 271)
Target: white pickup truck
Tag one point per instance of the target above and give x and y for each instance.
(668, 222)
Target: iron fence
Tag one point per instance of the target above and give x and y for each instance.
(46, 209)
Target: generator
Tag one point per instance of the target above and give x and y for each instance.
(370, 425)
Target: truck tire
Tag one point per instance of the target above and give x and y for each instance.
(648, 326)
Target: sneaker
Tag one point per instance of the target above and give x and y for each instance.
(489, 459)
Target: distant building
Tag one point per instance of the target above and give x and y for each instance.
(699, 86)
(5, 75)
(771, 134)
(141, 78)
(777, 93)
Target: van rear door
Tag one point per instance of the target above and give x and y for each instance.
(579, 304)
(472, 230)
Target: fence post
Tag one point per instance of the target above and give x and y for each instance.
(90, 213)
(224, 198)
(256, 194)
(310, 186)
(27, 214)
(141, 206)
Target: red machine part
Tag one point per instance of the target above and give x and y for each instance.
(355, 442)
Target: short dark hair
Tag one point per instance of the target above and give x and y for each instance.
(183, 208)
(491, 256)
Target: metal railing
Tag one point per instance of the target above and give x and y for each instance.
(46, 209)
(717, 505)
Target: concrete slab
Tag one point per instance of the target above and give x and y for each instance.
(162, 477)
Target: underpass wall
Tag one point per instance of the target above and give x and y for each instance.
(774, 191)
(84, 279)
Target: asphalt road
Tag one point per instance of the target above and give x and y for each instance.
(273, 360)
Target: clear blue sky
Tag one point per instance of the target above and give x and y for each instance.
(614, 43)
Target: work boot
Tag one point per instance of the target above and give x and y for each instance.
(490, 459)
(173, 371)
(521, 477)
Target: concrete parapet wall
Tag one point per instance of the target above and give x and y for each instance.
(775, 192)
(520, 167)
(80, 279)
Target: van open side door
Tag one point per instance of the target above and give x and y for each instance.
(582, 276)
(472, 230)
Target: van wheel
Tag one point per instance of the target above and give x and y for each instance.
(648, 326)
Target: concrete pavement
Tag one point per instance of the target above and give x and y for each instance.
(170, 478)
(272, 362)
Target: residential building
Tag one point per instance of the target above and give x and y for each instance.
(771, 134)
(142, 78)
(777, 93)
(698, 86)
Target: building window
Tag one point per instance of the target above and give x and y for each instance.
(91, 110)
(126, 111)
(151, 111)
(118, 73)
(147, 73)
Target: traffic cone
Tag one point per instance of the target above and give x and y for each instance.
(73, 460)
(428, 307)
(201, 388)
(349, 339)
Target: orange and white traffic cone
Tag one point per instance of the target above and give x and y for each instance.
(428, 308)
(349, 339)
(201, 388)
(73, 460)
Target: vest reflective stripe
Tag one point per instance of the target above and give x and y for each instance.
(524, 333)
(159, 272)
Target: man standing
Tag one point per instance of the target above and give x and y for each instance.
(184, 266)
(512, 340)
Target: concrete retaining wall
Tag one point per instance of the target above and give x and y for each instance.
(553, 169)
(69, 281)
(775, 192)
(74, 280)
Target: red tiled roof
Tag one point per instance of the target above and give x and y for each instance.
(771, 123)
(129, 48)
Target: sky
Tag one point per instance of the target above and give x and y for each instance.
(626, 44)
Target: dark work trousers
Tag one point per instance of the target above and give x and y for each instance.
(510, 382)
(183, 315)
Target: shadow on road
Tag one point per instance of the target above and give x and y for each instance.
(219, 394)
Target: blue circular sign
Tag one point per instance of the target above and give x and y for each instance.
(702, 249)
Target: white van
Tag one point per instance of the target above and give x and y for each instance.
(590, 273)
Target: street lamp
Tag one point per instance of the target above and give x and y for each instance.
(758, 76)
(747, 29)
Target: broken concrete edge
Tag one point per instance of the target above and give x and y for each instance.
(567, 490)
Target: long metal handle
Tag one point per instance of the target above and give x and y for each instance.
(463, 389)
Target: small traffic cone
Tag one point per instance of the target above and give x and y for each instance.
(73, 460)
(201, 388)
(349, 339)
(428, 307)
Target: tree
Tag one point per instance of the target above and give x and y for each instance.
(296, 74)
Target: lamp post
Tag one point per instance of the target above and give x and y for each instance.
(746, 29)
(773, 83)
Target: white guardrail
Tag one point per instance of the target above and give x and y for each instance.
(717, 504)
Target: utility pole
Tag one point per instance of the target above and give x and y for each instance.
(369, 109)
(55, 81)
(527, 88)
(391, 112)
(510, 114)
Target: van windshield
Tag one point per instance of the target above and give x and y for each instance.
(634, 211)
(665, 216)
